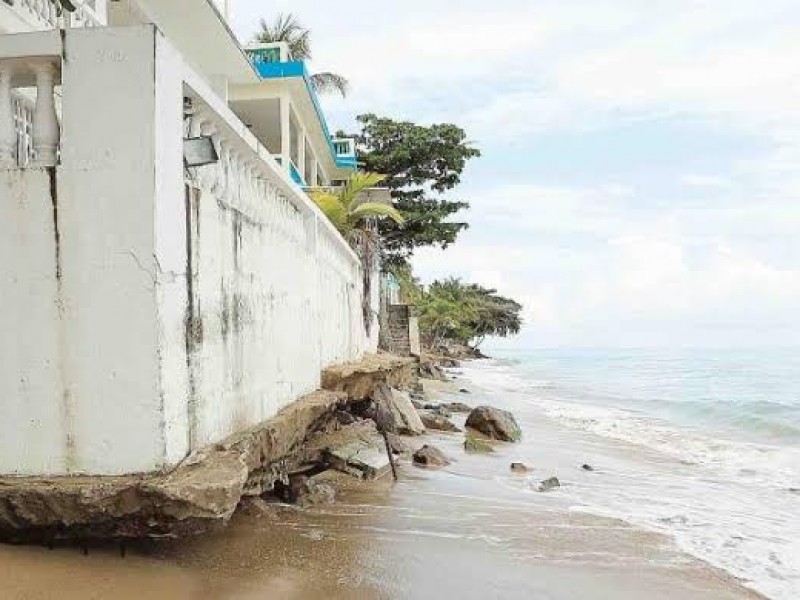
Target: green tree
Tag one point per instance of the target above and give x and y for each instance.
(286, 28)
(421, 163)
(453, 311)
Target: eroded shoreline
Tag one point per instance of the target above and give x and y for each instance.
(471, 529)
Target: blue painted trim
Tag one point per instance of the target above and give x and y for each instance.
(297, 68)
(296, 176)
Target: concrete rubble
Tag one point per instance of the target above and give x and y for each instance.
(204, 490)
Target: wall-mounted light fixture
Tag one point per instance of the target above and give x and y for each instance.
(199, 151)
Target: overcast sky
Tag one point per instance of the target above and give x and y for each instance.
(640, 183)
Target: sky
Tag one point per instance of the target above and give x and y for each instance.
(640, 177)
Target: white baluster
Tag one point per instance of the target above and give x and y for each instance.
(8, 134)
(46, 132)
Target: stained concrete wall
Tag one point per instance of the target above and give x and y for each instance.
(143, 318)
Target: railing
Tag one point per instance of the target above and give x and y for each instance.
(268, 53)
(296, 176)
(42, 14)
(29, 132)
(84, 16)
(345, 151)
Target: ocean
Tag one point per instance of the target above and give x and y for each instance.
(712, 441)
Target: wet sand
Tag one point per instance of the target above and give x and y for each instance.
(472, 530)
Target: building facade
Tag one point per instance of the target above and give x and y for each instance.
(165, 280)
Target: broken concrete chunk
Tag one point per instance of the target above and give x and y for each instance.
(395, 411)
(365, 459)
(398, 444)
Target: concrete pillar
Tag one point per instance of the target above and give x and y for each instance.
(301, 154)
(286, 135)
(314, 176)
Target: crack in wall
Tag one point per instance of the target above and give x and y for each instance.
(67, 407)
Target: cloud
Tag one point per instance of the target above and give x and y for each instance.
(608, 228)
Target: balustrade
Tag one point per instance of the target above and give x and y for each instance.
(29, 134)
(44, 14)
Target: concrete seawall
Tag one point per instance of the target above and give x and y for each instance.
(204, 490)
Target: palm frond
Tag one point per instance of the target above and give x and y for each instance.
(286, 28)
(333, 208)
(357, 183)
(373, 209)
(330, 83)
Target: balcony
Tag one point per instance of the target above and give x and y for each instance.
(345, 151)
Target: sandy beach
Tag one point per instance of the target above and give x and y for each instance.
(471, 530)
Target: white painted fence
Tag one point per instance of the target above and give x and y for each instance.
(150, 309)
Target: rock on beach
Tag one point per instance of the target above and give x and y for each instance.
(430, 456)
(495, 423)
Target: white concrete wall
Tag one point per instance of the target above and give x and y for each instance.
(140, 321)
(32, 436)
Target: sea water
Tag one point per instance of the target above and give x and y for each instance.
(726, 423)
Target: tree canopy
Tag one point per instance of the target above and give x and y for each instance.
(453, 311)
(420, 163)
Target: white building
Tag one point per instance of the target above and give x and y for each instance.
(147, 307)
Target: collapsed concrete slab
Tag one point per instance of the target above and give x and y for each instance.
(204, 490)
(358, 379)
(200, 494)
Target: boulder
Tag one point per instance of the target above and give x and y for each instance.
(395, 412)
(430, 456)
(548, 484)
(495, 423)
(587, 468)
(464, 391)
(475, 445)
(436, 421)
(518, 467)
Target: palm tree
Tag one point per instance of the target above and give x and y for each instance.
(355, 218)
(286, 28)
(350, 213)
